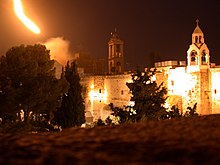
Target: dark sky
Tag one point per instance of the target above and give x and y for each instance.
(161, 26)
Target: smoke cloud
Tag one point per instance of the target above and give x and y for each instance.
(59, 50)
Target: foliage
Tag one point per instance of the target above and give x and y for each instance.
(28, 83)
(173, 113)
(109, 121)
(22, 127)
(124, 115)
(72, 111)
(149, 98)
(191, 111)
(100, 123)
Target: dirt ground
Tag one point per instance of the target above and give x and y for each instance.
(179, 141)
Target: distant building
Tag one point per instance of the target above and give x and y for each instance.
(194, 81)
(197, 82)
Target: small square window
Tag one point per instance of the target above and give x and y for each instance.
(122, 92)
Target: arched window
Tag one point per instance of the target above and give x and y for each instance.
(203, 57)
(200, 39)
(118, 48)
(196, 39)
(193, 56)
(110, 64)
(118, 67)
(111, 51)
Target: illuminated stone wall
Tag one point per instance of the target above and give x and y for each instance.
(215, 91)
(204, 106)
(189, 85)
(118, 92)
(100, 91)
(175, 79)
(186, 86)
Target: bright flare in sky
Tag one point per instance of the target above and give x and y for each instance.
(25, 20)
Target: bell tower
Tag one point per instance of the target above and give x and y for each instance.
(198, 67)
(115, 54)
(198, 52)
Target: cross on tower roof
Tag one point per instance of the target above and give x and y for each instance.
(197, 22)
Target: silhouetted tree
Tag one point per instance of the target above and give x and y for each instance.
(28, 83)
(149, 98)
(191, 111)
(173, 113)
(72, 111)
(108, 121)
(100, 122)
(124, 115)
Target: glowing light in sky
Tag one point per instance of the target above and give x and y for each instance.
(24, 19)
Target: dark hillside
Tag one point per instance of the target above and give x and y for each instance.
(179, 141)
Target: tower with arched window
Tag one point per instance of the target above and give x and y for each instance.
(198, 52)
(198, 66)
(115, 54)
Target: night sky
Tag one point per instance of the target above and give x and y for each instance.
(160, 26)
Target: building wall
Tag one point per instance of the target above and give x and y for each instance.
(196, 82)
(118, 92)
(185, 88)
(100, 91)
(215, 90)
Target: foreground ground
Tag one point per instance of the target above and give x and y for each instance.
(181, 141)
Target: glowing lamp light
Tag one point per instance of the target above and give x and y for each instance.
(97, 95)
(131, 103)
(24, 19)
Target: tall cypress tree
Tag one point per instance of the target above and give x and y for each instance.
(72, 110)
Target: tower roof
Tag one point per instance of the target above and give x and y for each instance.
(114, 34)
(115, 37)
(197, 29)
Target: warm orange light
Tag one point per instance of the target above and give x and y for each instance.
(24, 19)
(94, 95)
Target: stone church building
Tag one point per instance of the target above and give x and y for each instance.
(196, 80)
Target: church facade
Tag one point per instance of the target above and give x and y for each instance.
(196, 80)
